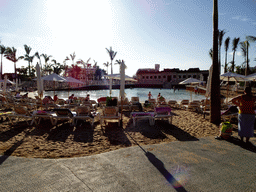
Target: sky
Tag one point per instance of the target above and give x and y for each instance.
(172, 33)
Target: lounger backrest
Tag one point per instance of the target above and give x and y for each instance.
(93, 102)
(84, 110)
(185, 102)
(125, 101)
(135, 99)
(172, 102)
(21, 110)
(110, 111)
(63, 112)
(152, 100)
(162, 110)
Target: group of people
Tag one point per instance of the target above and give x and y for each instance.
(246, 113)
(71, 99)
(159, 96)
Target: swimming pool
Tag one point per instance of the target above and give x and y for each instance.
(142, 93)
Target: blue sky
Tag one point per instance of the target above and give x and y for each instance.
(172, 33)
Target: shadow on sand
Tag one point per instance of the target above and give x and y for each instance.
(115, 134)
(175, 131)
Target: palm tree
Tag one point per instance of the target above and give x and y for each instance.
(226, 54)
(28, 58)
(72, 56)
(57, 67)
(221, 34)
(95, 63)
(65, 66)
(215, 74)
(112, 55)
(106, 64)
(244, 47)
(235, 43)
(119, 62)
(251, 39)
(38, 56)
(10, 54)
(87, 63)
(46, 59)
(2, 52)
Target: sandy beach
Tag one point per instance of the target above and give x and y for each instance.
(64, 141)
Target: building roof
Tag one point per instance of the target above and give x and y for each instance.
(173, 70)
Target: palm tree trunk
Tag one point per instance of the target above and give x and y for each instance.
(247, 59)
(29, 68)
(225, 68)
(15, 71)
(1, 66)
(219, 57)
(215, 75)
(111, 68)
(233, 62)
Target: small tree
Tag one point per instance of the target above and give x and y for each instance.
(112, 55)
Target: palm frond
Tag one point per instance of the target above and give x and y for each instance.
(251, 38)
(227, 43)
(27, 49)
(235, 43)
(2, 49)
(221, 34)
(243, 48)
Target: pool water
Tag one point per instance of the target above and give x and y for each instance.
(142, 93)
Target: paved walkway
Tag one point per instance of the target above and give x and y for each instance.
(203, 165)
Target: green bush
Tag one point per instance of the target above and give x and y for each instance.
(111, 101)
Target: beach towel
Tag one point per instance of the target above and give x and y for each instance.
(246, 125)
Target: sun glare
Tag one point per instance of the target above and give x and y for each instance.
(80, 26)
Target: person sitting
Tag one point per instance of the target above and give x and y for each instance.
(158, 96)
(18, 95)
(71, 98)
(160, 99)
(87, 98)
(25, 96)
(55, 98)
(225, 131)
(46, 100)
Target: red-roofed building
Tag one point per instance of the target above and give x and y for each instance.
(153, 76)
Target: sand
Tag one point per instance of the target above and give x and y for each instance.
(64, 141)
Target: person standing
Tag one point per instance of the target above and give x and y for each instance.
(149, 95)
(246, 114)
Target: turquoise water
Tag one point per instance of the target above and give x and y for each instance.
(142, 93)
